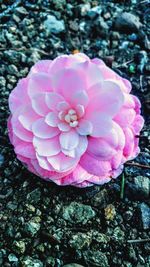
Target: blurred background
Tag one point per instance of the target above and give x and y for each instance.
(46, 225)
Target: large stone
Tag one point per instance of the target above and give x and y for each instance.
(19, 246)
(31, 228)
(80, 240)
(95, 258)
(127, 23)
(31, 262)
(78, 213)
(144, 213)
(53, 25)
(139, 188)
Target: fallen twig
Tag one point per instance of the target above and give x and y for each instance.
(10, 8)
(132, 241)
(137, 165)
(124, 63)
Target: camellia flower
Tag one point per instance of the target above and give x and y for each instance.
(73, 121)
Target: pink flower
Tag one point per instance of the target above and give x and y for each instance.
(73, 121)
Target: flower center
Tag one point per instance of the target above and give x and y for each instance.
(70, 117)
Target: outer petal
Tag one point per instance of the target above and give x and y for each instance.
(41, 66)
(19, 130)
(46, 147)
(62, 163)
(106, 97)
(95, 166)
(39, 83)
(27, 117)
(19, 95)
(101, 123)
(26, 150)
(125, 117)
(129, 144)
(101, 149)
(42, 130)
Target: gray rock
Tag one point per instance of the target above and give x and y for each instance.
(53, 25)
(34, 196)
(59, 4)
(100, 199)
(95, 258)
(1, 156)
(139, 188)
(78, 213)
(118, 234)
(31, 262)
(127, 22)
(2, 84)
(145, 215)
(100, 237)
(50, 261)
(12, 258)
(32, 228)
(1, 258)
(19, 246)
(93, 12)
(80, 240)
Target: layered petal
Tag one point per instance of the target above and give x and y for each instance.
(42, 130)
(46, 147)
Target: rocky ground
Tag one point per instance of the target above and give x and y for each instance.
(46, 225)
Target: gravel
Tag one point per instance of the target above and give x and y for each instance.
(46, 225)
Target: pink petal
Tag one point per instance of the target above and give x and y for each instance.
(66, 61)
(52, 119)
(41, 66)
(82, 146)
(62, 106)
(19, 95)
(69, 140)
(106, 97)
(100, 148)
(63, 126)
(137, 124)
(125, 117)
(79, 97)
(80, 110)
(102, 124)
(67, 82)
(42, 130)
(27, 150)
(39, 104)
(129, 144)
(117, 160)
(39, 83)
(95, 166)
(43, 162)
(27, 117)
(79, 150)
(85, 127)
(52, 99)
(62, 163)
(19, 130)
(46, 147)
